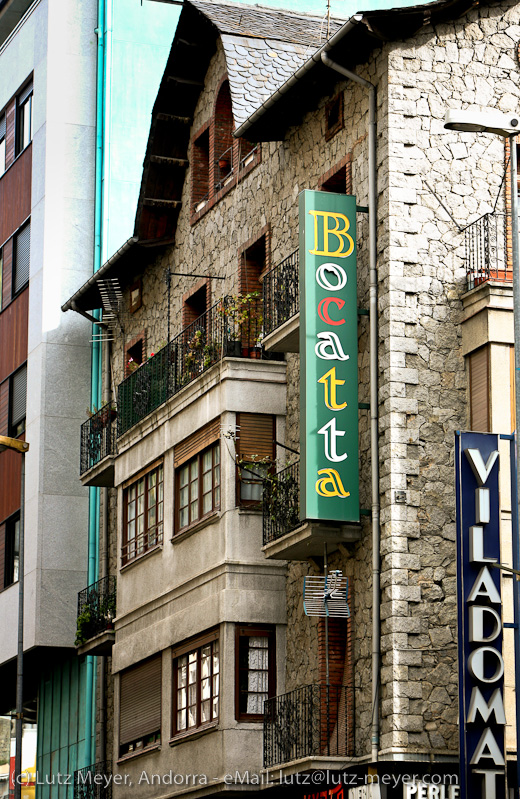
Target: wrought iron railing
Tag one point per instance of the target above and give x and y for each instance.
(232, 327)
(486, 251)
(98, 438)
(142, 543)
(281, 503)
(96, 609)
(281, 293)
(94, 782)
(313, 721)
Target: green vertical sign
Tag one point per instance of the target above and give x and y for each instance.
(329, 467)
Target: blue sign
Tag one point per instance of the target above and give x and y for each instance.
(481, 664)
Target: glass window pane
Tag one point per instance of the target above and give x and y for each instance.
(183, 518)
(205, 710)
(205, 689)
(184, 476)
(181, 720)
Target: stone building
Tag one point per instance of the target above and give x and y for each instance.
(202, 370)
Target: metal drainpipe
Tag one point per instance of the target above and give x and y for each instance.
(107, 394)
(374, 432)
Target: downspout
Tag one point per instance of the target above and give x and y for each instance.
(93, 531)
(374, 432)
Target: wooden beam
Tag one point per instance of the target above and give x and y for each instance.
(167, 159)
(158, 203)
(187, 81)
(172, 118)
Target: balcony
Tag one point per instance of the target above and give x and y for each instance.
(93, 782)
(96, 612)
(315, 721)
(486, 246)
(98, 448)
(232, 327)
(282, 306)
(285, 535)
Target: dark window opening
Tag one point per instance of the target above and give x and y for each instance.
(200, 172)
(134, 355)
(194, 306)
(337, 183)
(2, 144)
(254, 264)
(223, 138)
(12, 550)
(334, 116)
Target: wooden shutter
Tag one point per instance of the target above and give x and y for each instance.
(479, 389)
(256, 434)
(18, 395)
(22, 258)
(140, 701)
(197, 441)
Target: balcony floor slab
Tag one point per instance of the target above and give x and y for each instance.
(99, 645)
(102, 474)
(307, 541)
(285, 338)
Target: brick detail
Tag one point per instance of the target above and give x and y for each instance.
(254, 261)
(194, 306)
(339, 177)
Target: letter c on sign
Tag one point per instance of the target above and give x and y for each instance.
(323, 310)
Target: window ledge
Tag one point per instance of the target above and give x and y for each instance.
(195, 527)
(191, 735)
(139, 558)
(144, 751)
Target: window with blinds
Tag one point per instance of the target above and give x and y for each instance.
(2, 144)
(255, 455)
(18, 402)
(22, 258)
(478, 365)
(140, 706)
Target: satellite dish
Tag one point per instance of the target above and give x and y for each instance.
(326, 596)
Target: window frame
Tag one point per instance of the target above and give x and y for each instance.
(21, 140)
(14, 425)
(213, 447)
(12, 535)
(195, 647)
(3, 143)
(147, 545)
(249, 463)
(243, 632)
(14, 290)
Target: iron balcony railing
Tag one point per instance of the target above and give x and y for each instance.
(94, 782)
(98, 438)
(486, 250)
(232, 327)
(96, 609)
(313, 721)
(281, 293)
(281, 503)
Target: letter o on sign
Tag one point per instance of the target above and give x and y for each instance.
(335, 271)
(476, 664)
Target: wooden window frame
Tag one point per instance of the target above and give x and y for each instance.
(195, 647)
(128, 747)
(243, 632)
(149, 543)
(216, 466)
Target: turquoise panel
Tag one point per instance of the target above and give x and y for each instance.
(61, 727)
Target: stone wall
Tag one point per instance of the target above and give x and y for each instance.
(422, 381)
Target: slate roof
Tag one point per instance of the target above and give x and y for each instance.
(263, 47)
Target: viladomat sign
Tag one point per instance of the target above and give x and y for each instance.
(481, 665)
(329, 467)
